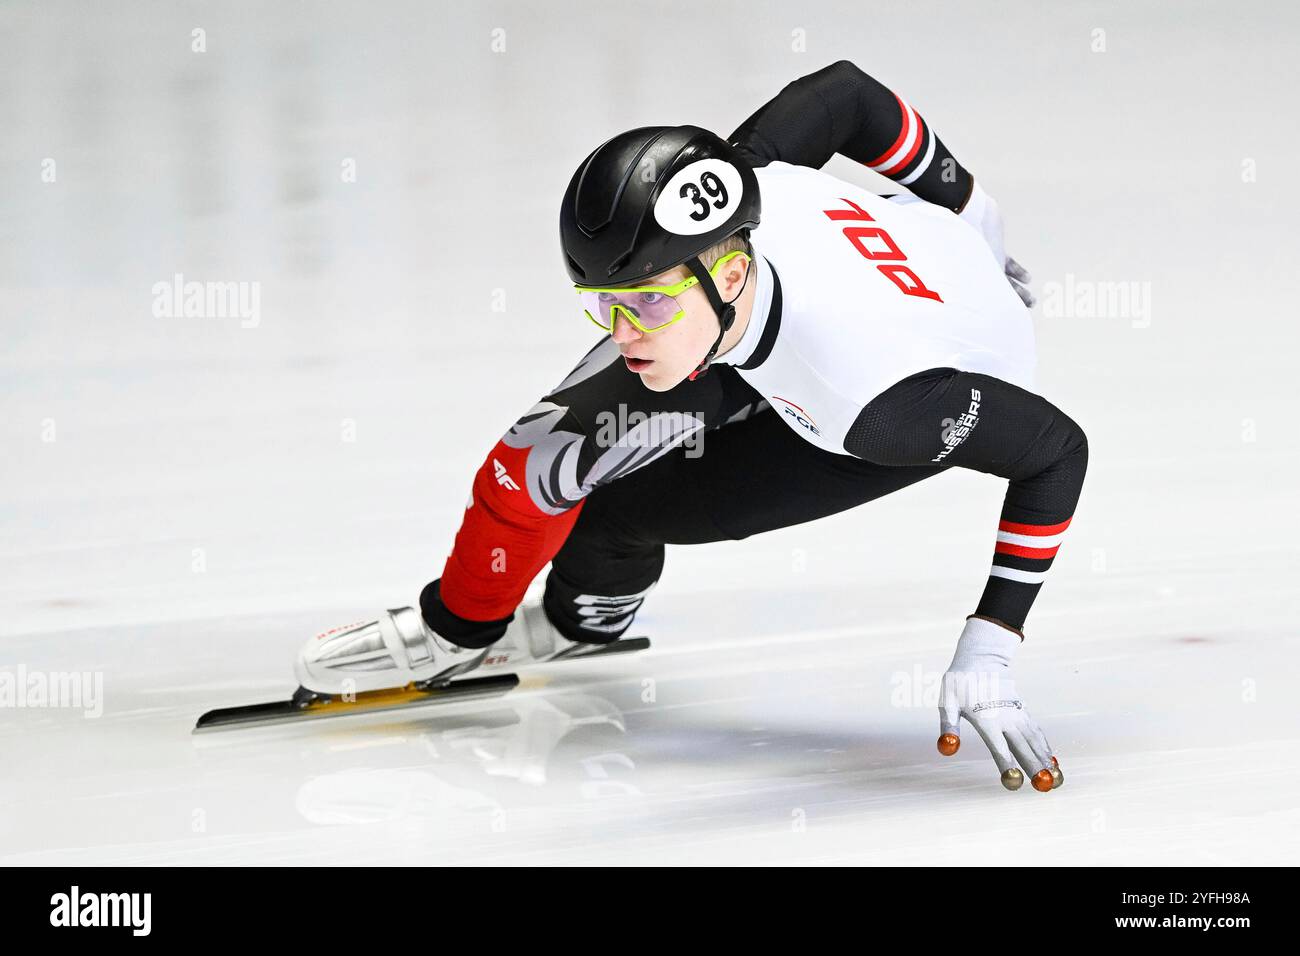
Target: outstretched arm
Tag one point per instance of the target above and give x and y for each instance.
(944, 416)
(596, 426)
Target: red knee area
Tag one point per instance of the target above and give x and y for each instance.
(504, 540)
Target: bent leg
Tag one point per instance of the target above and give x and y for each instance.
(752, 476)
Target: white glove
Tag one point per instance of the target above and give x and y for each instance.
(979, 687)
(982, 213)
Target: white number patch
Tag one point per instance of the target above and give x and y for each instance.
(699, 198)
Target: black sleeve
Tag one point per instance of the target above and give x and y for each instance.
(840, 109)
(612, 424)
(948, 417)
(597, 425)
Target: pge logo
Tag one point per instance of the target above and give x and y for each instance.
(798, 414)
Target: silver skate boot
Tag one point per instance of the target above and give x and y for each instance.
(398, 649)
(531, 638)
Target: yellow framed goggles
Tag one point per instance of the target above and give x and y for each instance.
(648, 308)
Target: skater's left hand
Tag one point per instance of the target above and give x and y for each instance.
(978, 686)
(981, 211)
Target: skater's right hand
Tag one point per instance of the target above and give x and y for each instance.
(978, 686)
(981, 211)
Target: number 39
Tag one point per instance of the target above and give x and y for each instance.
(712, 185)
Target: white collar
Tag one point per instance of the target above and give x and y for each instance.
(739, 353)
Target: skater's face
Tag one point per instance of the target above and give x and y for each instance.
(665, 357)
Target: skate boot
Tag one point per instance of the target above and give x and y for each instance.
(397, 649)
(531, 638)
(398, 661)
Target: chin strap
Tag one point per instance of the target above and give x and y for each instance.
(725, 311)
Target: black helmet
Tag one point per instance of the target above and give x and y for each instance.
(653, 198)
(620, 224)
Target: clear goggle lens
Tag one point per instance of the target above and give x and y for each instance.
(648, 311)
(648, 308)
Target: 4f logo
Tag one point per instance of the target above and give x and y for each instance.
(503, 477)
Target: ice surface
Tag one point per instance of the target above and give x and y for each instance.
(180, 507)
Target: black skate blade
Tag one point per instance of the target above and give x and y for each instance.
(367, 702)
(621, 646)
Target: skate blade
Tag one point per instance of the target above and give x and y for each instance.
(623, 646)
(367, 702)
